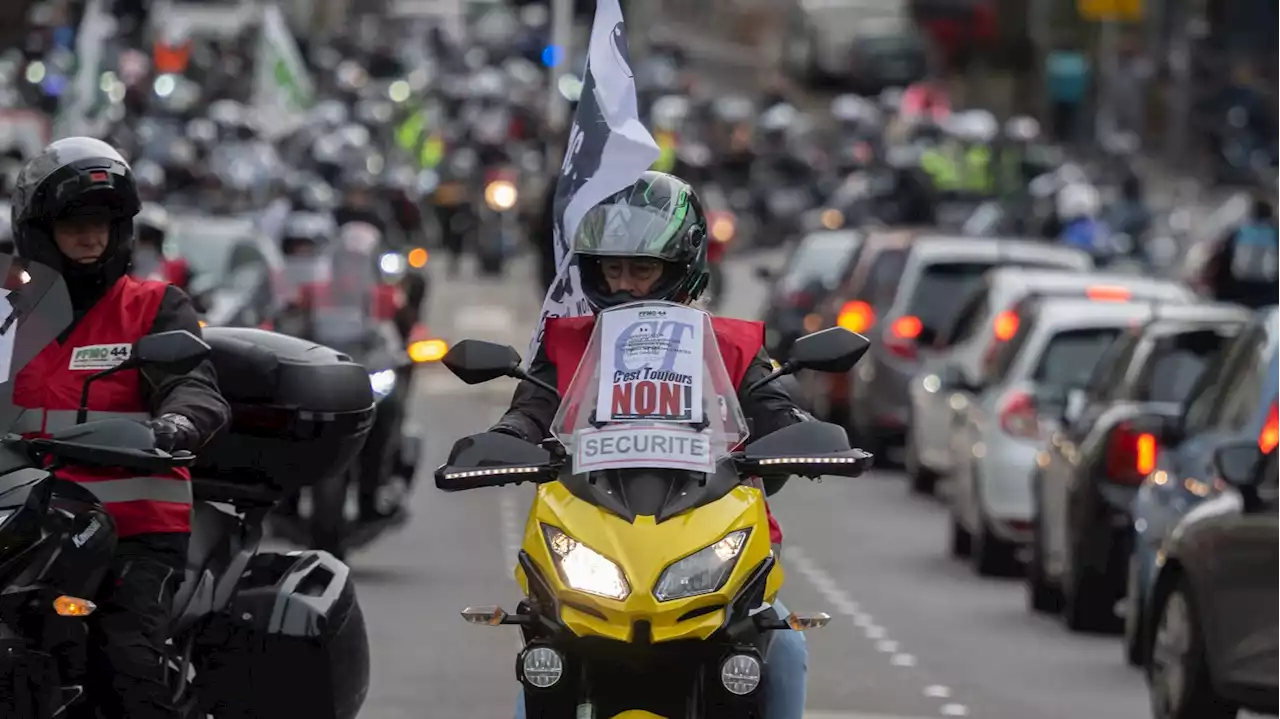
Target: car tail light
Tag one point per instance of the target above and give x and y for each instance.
(1005, 325)
(856, 316)
(1269, 437)
(900, 339)
(1018, 417)
(1108, 293)
(1131, 455)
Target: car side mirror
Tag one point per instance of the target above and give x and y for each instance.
(835, 349)
(763, 273)
(177, 351)
(1239, 463)
(478, 361)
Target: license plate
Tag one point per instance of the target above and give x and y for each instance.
(450, 193)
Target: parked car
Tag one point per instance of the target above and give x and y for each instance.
(991, 316)
(1086, 478)
(235, 270)
(1000, 428)
(1214, 646)
(921, 304)
(817, 265)
(1234, 399)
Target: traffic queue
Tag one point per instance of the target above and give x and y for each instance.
(1107, 433)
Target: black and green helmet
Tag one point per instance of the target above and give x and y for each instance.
(659, 217)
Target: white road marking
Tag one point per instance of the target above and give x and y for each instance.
(483, 319)
(794, 558)
(510, 526)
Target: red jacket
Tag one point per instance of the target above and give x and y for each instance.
(49, 388)
(566, 339)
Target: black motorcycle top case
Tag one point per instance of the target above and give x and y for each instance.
(300, 412)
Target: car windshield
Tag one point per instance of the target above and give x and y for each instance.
(650, 392)
(820, 259)
(206, 244)
(1176, 364)
(1069, 358)
(942, 291)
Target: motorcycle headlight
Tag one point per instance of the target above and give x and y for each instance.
(500, 195)
(382, 383)
(583, 568)
(702, 572)
(393, 264)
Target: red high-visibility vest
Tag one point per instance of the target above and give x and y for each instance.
(49, 389)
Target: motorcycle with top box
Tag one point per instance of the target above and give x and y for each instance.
(263, 634)
(627, 612)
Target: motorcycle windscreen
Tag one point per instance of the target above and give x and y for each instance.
(342, 313)
(35, 308)
(650, 392)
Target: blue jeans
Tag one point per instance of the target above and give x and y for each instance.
(786, 667)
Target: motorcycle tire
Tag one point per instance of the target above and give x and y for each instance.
(328, 514)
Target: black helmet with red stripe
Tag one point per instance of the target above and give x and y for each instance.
(76, 177)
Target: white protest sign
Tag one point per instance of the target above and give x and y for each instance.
(651, 364)
(647, 446)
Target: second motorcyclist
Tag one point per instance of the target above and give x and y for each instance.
(73, 211)
(649, 242)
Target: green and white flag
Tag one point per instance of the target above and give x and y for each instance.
(283, 90)
(80, 107)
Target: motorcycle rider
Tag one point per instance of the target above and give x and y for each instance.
(1078, 207)
(151, 225)
(73, 212)
(663, 257)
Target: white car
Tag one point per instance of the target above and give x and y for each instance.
(988, 317)
(1000, 426)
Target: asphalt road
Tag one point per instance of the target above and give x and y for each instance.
(915, 635)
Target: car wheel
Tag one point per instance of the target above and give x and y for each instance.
(991, 555)
(1042, 596)
(921, 479)
(1088, 600)
(961, 541)
(1133, 629)
(1178, 681)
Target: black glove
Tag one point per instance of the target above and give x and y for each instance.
(174, 432)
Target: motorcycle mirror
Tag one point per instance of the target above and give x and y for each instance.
(835, 349)
(477, 361)
(178, 351)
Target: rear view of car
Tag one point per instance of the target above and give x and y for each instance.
(938, 274)
(1003, 424)
(989, 317)
(1090, 471)
(816, 267)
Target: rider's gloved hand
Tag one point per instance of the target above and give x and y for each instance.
(174, 432)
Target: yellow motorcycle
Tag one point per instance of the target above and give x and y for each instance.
(646, 560)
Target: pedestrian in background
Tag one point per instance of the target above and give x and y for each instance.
(1067, 75)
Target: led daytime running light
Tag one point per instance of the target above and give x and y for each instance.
(492, 472)
(809, 460)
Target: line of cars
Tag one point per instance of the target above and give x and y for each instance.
(1111, 437)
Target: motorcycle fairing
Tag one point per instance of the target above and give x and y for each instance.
(643, 549)
(658, 493)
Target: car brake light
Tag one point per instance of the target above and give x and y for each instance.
(856, 316)
(1269, 437)
(1006, 325)
(1131, 455)
(1108, 293)
(1018, 417)
(901, 337)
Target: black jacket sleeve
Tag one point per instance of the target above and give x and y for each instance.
(768, 409)
(193, 394)
(532, 407)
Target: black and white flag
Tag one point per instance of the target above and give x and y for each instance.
(608, 150)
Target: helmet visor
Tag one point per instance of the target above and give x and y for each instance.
(631, 231)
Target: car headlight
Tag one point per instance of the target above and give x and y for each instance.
(583, 568)
(702, 572)
(393, 264)
(500, 195)
(382, 382)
